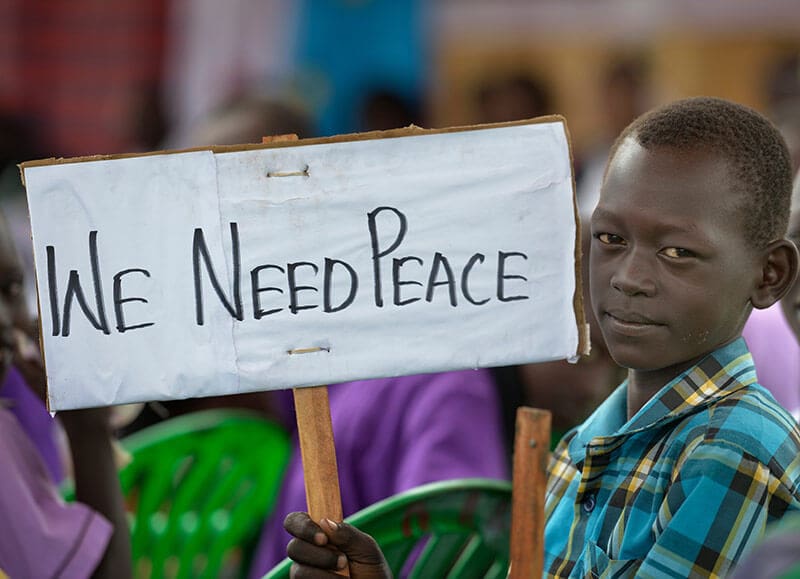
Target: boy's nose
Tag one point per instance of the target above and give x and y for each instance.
(634, 275)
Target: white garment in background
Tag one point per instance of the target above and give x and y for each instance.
(218, 49)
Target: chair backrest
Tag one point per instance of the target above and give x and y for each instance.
(451, 529)
(199, 488)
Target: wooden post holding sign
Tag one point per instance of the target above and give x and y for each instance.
(224, 270)
(316, 447)
(317, 451)
(531, 452)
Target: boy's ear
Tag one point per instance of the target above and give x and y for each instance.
(779, 270)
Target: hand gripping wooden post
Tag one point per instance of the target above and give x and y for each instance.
(531, 453)
(321, 475)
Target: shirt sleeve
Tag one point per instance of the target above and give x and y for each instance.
(718, 506)
(46, 537)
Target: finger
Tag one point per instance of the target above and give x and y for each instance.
(357, 546)
(305, 553)
(304, 572)
(301, 526)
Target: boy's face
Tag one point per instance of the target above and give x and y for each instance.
(671, 272)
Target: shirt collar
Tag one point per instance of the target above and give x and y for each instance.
(719, 374)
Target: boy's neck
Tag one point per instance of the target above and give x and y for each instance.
(644, 384)
(638, 394)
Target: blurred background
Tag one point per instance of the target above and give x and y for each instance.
(85, 77)
(91, 77)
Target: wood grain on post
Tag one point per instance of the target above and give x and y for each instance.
(321, 475)
(531, 453)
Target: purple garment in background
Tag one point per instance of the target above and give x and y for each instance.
(35, 420)
(42, 536)
(776, 355)
(394, 434)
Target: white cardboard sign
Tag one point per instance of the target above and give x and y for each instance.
(214, 272)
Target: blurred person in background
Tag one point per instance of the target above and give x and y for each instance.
(513, 97)
(44, 536)
(248, 118)
(384, 109)
(624, 95)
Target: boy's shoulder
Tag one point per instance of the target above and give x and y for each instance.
(750, 412)
(751, 422)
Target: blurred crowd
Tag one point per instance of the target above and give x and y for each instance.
(86, 77)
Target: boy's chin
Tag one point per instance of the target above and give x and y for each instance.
(667, 367)
(631, 354)
(639, 357)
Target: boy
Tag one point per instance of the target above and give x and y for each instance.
(678, 472)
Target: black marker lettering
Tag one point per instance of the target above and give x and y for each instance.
(98, 285)
(478, 257)
(328, 277)
(119, 300)
(294, 288)
(501, 275)
(450, 282)
(376, 253)
(258, 313)
(75, 290)
(398, 283)
(52, 290)
(199, 249)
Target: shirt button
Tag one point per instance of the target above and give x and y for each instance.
(588, 504)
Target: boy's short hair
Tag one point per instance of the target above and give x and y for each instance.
(753, 146)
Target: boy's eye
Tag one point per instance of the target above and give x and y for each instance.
(677, 252)
(609, 239)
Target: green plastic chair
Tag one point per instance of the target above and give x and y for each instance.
(199, 488)
(452, 529)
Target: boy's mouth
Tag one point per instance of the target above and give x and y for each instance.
(630, 322)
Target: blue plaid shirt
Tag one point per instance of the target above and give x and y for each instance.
(683, 488)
